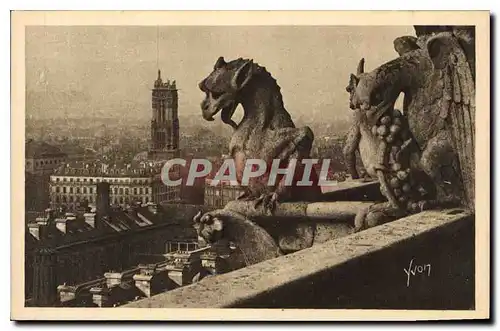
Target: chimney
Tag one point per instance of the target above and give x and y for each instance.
(102, 201)
(90, 219)
(153, 208)
(49, 214)
(34, 229)
(61, 224)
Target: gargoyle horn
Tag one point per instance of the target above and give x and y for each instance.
(361, 67)
(220, 63)
(197, 217)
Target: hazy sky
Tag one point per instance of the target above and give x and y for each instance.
(110, 70)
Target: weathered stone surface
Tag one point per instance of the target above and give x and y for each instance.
(243, 286)
(339, 211)
(288, 209)
(326, 231)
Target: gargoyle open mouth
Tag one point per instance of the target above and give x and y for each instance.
(225, 115)
(228, 112)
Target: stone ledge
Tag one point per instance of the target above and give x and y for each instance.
(335, 211)
(241, 288)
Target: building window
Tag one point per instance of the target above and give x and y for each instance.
(115, 190)
(126, 191)
(77, 190)
(64, 189)
(135, 190)
(57, 189)
(84, 190)
(71, 189)
(57, 179)
(146, 190)
(121, 190)
(121, 199)
(91, 190)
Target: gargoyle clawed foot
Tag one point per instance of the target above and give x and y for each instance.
(377, 214)
(381, 213)
(268, 201)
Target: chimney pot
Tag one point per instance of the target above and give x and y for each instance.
(102, 201)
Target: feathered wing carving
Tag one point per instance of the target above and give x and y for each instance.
(458, 105)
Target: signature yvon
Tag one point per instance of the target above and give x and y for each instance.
(416, 269)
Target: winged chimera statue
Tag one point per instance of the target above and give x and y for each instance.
(423, 158)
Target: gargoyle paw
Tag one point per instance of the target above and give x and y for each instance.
(268, 201)
(376, 214)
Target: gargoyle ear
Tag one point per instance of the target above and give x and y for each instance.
(353, 82)
(220, 63)
(439, 48)
(242, 75)
(361, 67)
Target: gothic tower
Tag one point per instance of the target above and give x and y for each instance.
(164, 121)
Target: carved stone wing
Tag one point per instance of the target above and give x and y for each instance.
(458, 104)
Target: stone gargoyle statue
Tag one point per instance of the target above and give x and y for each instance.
(424, 156)
(267, 133)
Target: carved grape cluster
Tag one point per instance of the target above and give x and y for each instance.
(392, 129)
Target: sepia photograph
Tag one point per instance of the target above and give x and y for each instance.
(291, 166)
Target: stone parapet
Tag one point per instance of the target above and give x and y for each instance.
(361, 270)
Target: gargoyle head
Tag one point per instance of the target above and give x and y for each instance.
(369, 93)
(208, 228)
(223, 88)
(376, 92)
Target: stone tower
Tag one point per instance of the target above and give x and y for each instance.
(164, 121)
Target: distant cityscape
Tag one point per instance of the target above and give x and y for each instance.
(101, 227)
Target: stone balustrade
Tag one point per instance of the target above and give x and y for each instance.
(423, 261)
